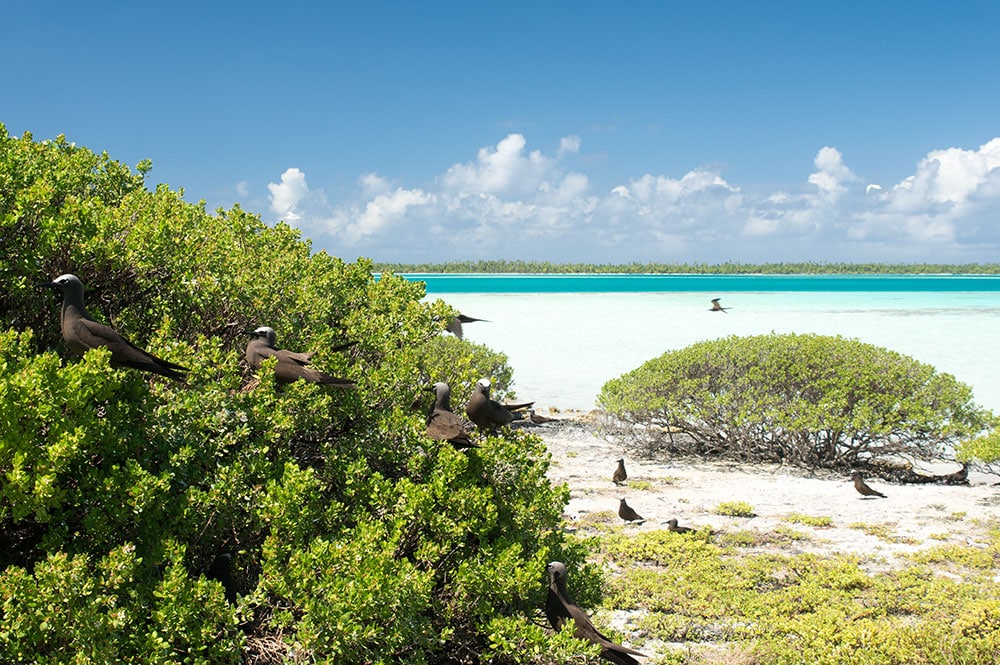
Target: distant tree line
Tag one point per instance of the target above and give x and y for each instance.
(726, 268)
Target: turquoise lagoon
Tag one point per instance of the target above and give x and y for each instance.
(565, 335)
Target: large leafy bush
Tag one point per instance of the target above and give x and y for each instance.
(812, 400)
(354, 537)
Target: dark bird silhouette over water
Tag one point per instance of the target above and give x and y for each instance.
(291, 365)
(626, 512)
(455, 325)
(619, 476)
(673, 526)
(487, 413)
(559, 609)
(716, 307)
(442, 424)
(862, 486)
(82, 333)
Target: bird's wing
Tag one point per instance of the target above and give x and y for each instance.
(301, 358)
(444, 425)
(123, 352)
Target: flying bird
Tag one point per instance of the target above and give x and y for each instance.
(455, 325)
(487, 413)
(862, 486)
(673, 526)
(559, 609)
(716, 307)
(619, 476)
(82, 333)
(626, 512)
(442, 424)
(291, 365)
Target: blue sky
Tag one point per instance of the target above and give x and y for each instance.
(560, 131)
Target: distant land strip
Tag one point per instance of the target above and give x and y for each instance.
(728, 268)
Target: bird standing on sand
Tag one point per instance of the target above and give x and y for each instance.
(82, 333)
(626, 512)
(538, 419)
(442, 424)
(559, 609)
(487, 413)
(291, 365)
(716, 307)
(862, 486)
(455, 325)
(672, 526)
(619, 476)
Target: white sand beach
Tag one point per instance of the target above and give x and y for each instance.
(912, 517)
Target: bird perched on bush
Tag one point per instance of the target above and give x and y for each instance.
(487, 413)
(442, 424)
(862, 486)
(291, 365)
(82, 333)
(559, 609)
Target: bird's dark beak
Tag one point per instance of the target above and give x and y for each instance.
(252, 333)
(47, 285)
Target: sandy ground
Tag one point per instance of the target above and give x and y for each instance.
(912, 517)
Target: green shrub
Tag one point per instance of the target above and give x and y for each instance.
(120, 489)
(735, 509)
(810, 400)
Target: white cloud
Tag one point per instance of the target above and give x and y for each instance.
(288, 195)
(384, 210)
(953, 194)
(373, 184)
(832, 176)
(243, 189)
(504, 169)
(569, 145)
(491, 205)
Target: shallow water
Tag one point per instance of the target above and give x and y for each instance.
(565, 346)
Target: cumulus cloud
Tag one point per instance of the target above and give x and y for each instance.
(944, 200)
(492, 205)
(831, 177)
(384, 210)
(291, 196)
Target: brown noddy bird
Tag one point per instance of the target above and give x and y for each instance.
(673, 526)
(716, 307)
(455, 325)
(539, 419)
(291, 365)
(619, 476)
(82, 333)
(442, 424)
(626, 512)
(559, 609)
(487, 413)
(862, 486)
